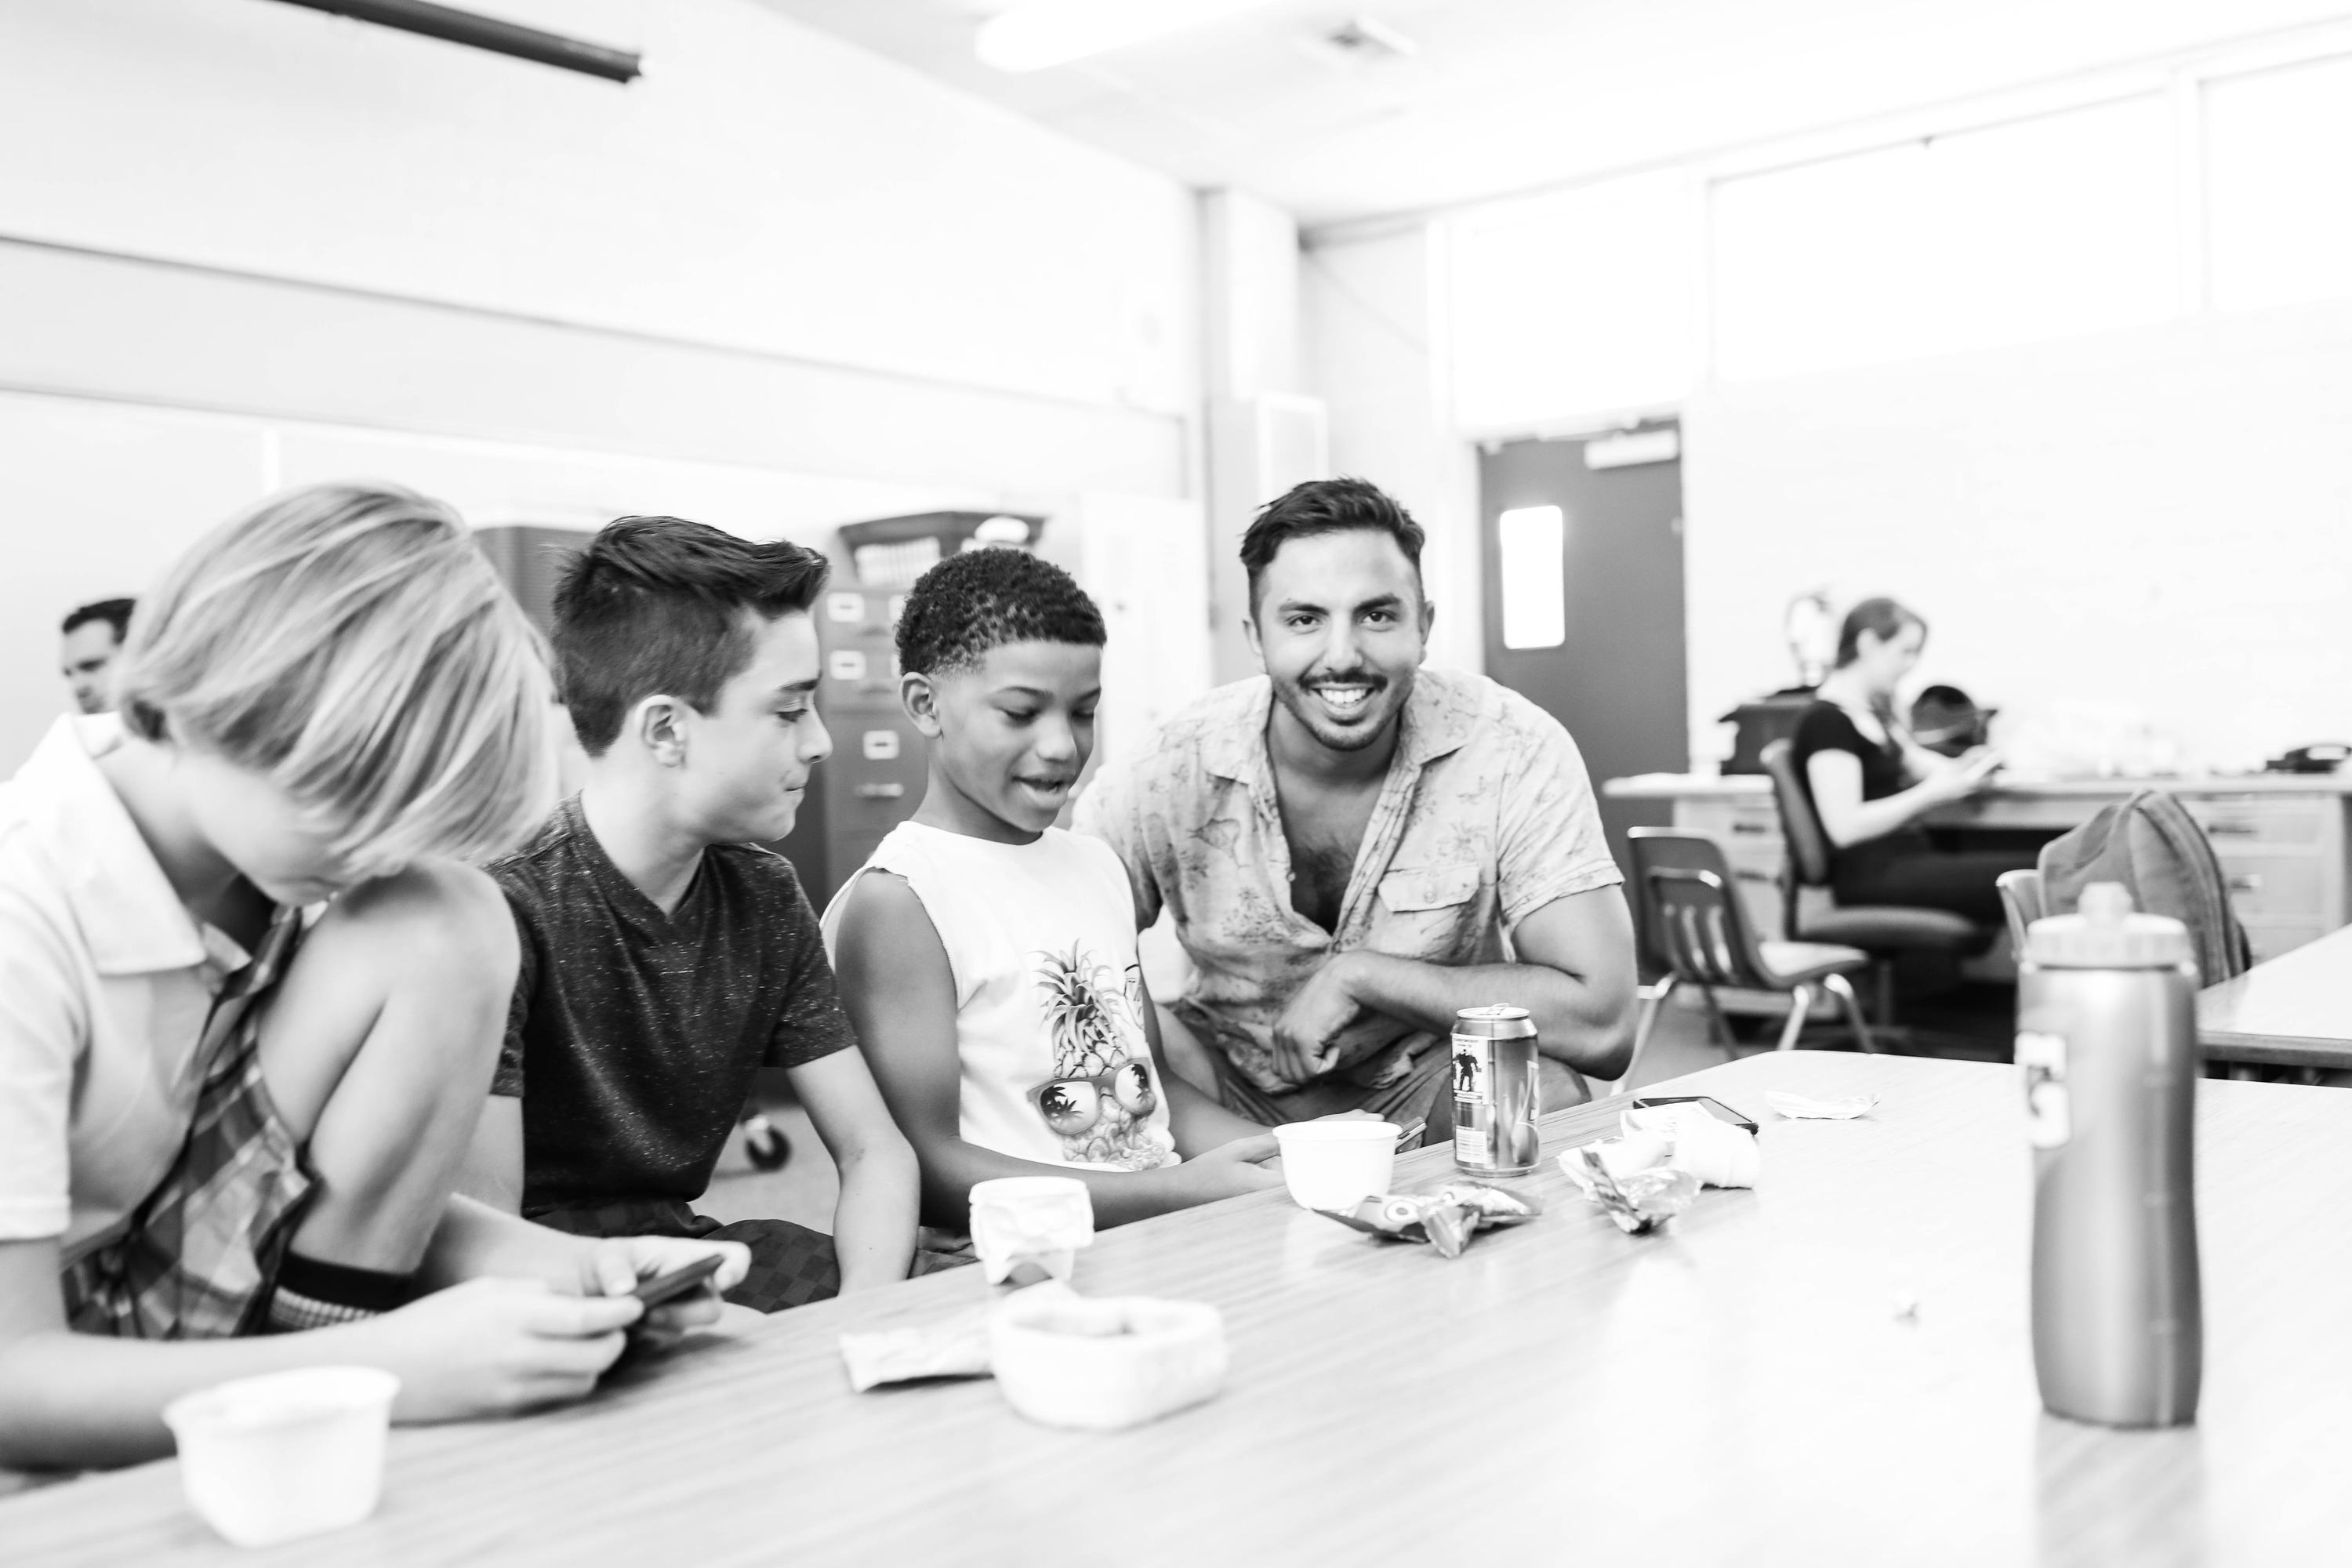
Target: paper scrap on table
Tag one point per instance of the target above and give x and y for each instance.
(1805, 1108)
(952, 1347)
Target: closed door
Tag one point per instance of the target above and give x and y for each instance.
(1583, 541)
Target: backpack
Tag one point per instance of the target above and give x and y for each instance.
(2152, 846)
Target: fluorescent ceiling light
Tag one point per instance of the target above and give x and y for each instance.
(1036, 34)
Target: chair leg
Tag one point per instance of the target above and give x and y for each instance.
(1653, 998)
(1837, 986)
(1882, 981)
(1718, 1027)
(1801, 1002)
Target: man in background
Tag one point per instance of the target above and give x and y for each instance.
(93, 636)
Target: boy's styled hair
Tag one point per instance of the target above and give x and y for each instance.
(655, 606)
(985, 598)
(1325, 506)
(115, 612)
(352, 643)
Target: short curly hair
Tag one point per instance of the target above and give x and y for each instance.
(985, 598)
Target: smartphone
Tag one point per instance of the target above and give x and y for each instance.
(670, 1286)
(1714, 1108)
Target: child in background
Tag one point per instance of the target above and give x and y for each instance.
(666, 958)
(216, 1122)
(987, 956)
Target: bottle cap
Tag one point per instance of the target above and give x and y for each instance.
(2105, 934)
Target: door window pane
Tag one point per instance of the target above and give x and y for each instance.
(2278, 168)
(1532, 542)
(2038, 229)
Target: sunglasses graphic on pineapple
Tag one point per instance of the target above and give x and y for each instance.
(1101, 1097)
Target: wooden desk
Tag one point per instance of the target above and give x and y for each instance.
(2294, 1010)
(2284, 839)
(1737, 1390)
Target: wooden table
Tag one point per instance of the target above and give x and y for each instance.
(1737, 1390)
(2293, 1011)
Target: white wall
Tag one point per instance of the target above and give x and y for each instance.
(2154, 523)
(778, 283)
(1373, 340)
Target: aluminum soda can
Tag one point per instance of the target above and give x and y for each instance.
(1497, 1097)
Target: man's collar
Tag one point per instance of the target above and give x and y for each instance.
(1235, 745)
(1437, 719)
(127, 910)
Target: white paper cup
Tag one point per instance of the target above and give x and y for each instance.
(287, 1454)
(1335, 1165)
(1067, 1360)
(1042, 1221)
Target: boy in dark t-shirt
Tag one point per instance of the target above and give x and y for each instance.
(665, 958)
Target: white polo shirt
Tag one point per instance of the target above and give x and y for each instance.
(106, 980)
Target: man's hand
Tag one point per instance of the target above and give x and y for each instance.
(1306, 1037)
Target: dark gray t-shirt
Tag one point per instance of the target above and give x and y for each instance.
(634, 1036)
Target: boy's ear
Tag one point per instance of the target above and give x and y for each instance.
(656, 723)
(1249, 634)
(921, 701)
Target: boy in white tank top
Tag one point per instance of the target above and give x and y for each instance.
(986, 956)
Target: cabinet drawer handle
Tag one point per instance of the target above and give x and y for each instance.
(880, 791)
(1753, 827)
(2246, 882)
(2233, 830)
(1765, 878)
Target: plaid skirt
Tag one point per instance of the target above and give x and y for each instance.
(198, 1258)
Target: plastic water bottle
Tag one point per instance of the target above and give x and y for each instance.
(2106, 1042)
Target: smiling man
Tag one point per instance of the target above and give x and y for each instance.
(1353, 847)
(666, 957)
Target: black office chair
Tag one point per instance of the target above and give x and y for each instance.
(1884, 931)
(1689, 922)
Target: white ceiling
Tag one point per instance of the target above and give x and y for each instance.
(1513, 95)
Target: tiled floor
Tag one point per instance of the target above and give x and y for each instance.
(1973, 1022)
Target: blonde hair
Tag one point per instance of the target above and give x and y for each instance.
(352, 643)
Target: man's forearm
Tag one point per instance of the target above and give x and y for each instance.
(1588, 1027)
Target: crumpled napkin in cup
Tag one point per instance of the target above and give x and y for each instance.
(1716, 1152)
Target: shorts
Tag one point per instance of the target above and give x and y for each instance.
(791, 1264)
(198, 1258)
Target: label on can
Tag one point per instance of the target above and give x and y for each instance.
(2048, 1106)
(1474, 1104)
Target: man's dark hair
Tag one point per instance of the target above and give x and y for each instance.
(656, 604)
(1325, 506)
(115, 612)
(985, 598)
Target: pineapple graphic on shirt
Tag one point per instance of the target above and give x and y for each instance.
(1101, 1097)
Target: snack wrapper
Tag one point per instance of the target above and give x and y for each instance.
(952, 1347)
(1446, 1219)
(1642, 1201)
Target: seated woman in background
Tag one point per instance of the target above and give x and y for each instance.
(1871, 781)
